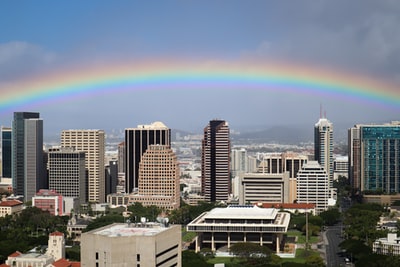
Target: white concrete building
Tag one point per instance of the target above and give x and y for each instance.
(313, 186)
(226, 226)
(389, 245)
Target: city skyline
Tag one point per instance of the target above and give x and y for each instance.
(271, 63)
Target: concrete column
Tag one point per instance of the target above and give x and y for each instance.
(277, 243)
(261, 239)
(212, 242)
(229, 240)
(244, 237)
(197, 247)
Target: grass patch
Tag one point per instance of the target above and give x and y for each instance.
(226, 260)
(187, 236)
(301, 239)
(301, 255)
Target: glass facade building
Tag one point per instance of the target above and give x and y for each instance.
(374, 157)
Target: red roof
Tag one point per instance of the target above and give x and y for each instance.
(4, 265)
(289, 205)
(57, 234)
(10, 203)
(66, 263)
(15, 254)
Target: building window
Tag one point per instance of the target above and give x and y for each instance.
(137, 257)
(97, 255)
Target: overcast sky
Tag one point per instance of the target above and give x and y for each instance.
(360, 37)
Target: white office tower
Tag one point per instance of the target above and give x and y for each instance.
(313, 186)
(239, 161)
(92, 142)
(323, 146)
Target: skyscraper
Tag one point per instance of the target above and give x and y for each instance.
(6, 152)
(137, 141)
(215, 161)
(67, 172)
(313, 186)
(27, 153)
(158, 178)
(92, 142)
(323, 145)
(374, 157)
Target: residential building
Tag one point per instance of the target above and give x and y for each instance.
(323, 146)
(374, 153)
(144, 244)
(235, 224)
(264, 187)
(137, 140)
(215, 169)
(49, 200)
(5, 152)
(158, 178)
(19, 150)
(313, 186)
(10, 207)
(92, 142)
(67, 172)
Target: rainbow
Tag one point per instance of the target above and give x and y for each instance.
(70, 83)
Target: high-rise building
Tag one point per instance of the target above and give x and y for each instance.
(111, 177)
(313, 186)
(67, 172)
(6, 152)
(92, 142)
(323, 145)
(158, 178)
(374, 157)
(215, 161)
(239, 161)
(35, 177)
(137, 140)
(20, 145)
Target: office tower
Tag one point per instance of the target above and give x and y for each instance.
(121, 157)
(35, 177)
(158, 178)
(67, 172)
(137, 141)
(92, 142)
(313, 186)
(19, 144)
(278, 163)
(215, 161)
(239, 161)
(374, 157)
(340, 167)
(264, 188)
(323, 145)
(5, 148)
(111, 177)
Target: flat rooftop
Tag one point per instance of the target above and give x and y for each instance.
(242, 212)
(123, 229)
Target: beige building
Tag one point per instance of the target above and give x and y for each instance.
(264, 187)
(127, 245)
(158, 178)
(56, 246)
(92, 142)
(10, 207)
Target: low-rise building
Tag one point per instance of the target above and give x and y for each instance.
(49, 200)
(389, 245)
(226, 226)
(10, 207)
(144, 244)
(18, 259)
